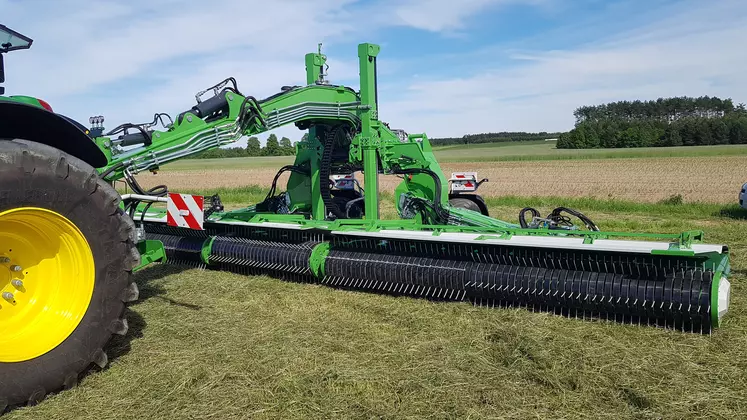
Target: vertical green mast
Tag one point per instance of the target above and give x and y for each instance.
(369, 127)
(314, 70)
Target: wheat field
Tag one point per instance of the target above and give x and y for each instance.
(711, 179)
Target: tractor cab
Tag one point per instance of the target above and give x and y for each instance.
(10, 40)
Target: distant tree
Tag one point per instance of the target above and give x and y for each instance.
(662, 122)
(272, 147)
(493, 138)
(703, 132)
(672, 138)
(253, 148)
(286, 148)
(720, 131)
(738, 130)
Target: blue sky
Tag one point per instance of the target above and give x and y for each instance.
(447, 67)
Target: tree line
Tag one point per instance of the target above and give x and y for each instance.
(273, 147)
(503, 136)
(678, 121)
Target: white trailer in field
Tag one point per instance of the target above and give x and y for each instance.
(743, 197)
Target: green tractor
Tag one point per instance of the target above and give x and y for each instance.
(67, 248)
(69, 243)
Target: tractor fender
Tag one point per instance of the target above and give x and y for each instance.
(475, 198)
(23, 121)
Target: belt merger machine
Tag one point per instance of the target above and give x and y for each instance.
(69, 242)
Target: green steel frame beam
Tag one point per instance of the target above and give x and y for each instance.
(375, 146)
(369, 126)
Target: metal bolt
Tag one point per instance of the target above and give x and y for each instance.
(8, 296)
(230, 96)
(4, 260)
(16, 267)
(16, 283)
(189, 118)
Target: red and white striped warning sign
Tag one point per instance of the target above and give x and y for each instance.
(463, 181)
(184, 210)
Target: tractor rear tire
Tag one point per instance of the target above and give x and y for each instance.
(64, 235)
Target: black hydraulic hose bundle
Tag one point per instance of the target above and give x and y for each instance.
(131, 205)
(325, 171)
(441, 213)
(255, 112)
(292, 168)
(555, 218)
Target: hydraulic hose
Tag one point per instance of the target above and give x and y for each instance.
(324, 172)
(441, 213)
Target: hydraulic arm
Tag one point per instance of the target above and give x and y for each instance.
(346, 135)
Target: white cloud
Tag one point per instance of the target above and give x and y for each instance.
(112, 41)
(164, 52)
(444, 15)
(698, 51)
(128, 60)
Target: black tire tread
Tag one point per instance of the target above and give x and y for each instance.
(464, 203)
(33, 157)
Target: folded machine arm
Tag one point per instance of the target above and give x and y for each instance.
(310, 233)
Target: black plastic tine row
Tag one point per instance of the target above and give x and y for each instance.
(667, 291)
(288, 236)
(153, 229)
(247, 270)
(392, 288)
(639, 265)
(181, 250)
(680, 300)
(264, 255)
(695, 324)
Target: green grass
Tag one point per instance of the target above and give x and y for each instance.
(234, 196)
(229, 163)
(503, 144)
(668, 207)
(524, 151)
(220, 345)
(531, 151)
(238, 197)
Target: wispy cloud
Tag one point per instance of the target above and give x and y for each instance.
(698, 51)
(130, 59)
(81, 47)
(443, 15)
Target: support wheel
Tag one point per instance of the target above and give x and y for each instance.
(465, 203)
(66, 257)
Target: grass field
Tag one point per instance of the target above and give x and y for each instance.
(711, 174)
(715, 179)
(224, 346)
(544, 150)
(491, 152)
(213, 345)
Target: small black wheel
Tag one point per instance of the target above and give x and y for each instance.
(465, 203)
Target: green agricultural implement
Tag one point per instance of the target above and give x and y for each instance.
(69, 243)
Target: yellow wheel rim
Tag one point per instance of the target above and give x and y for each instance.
(46, 281)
